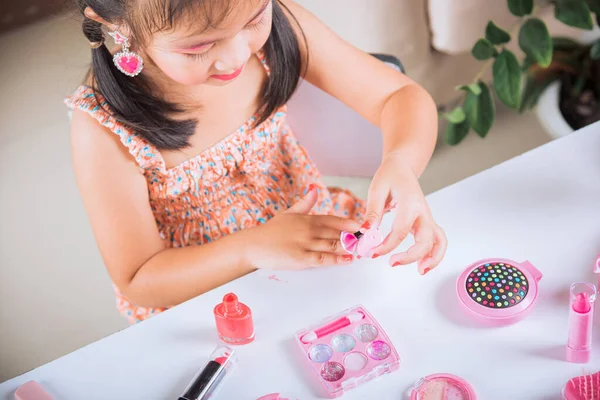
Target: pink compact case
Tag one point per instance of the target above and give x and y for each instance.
(498, 291)
(347, 350)
(443, 387)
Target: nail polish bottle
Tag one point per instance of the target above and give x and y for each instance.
(234, 321)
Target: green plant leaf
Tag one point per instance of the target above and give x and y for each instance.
(535, 41)
(455, 116)
(574, 13)
(594, 6)
(595, 51)
(520, 8)
(472, 88)
(507, 78)
(455, 133)
(483, 50)
(534, 87)
(480, 110)
(495, 34)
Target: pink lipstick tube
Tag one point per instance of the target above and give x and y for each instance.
(581, 314)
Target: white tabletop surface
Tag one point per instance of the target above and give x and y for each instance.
(543, 206)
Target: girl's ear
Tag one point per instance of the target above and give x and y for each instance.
(91, 14)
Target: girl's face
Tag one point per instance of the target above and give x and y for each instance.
(196, 54)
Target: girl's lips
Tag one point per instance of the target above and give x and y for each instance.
(231, 76)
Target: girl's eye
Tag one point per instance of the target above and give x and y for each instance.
(198, 56)
(260, 22)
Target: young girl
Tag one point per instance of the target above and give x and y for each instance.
(188, 171)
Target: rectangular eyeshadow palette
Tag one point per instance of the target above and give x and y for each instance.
(347, 350)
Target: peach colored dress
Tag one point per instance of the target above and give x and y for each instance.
(239, 183)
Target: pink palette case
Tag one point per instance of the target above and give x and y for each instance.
(347, 350)
(498, 291)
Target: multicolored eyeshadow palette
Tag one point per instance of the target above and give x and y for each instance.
(347, 350)
(498, 291)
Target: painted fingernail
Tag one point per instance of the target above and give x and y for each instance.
(375, 256)
(348, 258)
(311, 187)
(396, 264)
(427, 270)
(366, 226)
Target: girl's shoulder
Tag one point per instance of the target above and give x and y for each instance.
(91, 116)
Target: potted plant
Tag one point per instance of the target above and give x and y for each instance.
(572, 67)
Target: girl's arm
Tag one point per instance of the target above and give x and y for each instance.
(390, 100)
(407, 116)
(115, 194)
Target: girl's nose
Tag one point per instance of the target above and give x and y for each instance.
(233, 55)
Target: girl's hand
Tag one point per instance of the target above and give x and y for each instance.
(296, 240)
(395, 186)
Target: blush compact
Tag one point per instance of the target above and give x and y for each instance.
(498, 292)
(443, 387)
(347, 350)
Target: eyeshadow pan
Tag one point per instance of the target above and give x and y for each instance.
(320, 353)
(332, 371)
(379, 350)
(366, 333)
(355, 361)
(343, 343)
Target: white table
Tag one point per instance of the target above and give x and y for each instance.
(543, 206)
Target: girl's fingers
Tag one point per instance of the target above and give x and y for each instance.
(332, 246)
(400, 230)
(328, 233)
(319, 259)
(437, 253)
(376, 200)
(424, 240)
(338, 223)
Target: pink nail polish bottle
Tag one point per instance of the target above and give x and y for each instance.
(234, 321)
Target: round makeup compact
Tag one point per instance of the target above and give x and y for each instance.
(442, 386)
(278, 396)
(497, 291)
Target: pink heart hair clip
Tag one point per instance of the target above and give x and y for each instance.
(363, 244)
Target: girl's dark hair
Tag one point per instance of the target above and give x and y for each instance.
(132, 101)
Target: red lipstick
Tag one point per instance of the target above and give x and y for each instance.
(229, 77)
(207, 382)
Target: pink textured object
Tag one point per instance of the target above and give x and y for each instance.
(32, 391)
(346, 355)
(443, 387)
(370, 240)
(497, 291)
(277, 396)
(585, 387)
(581, 315)
(363, 244)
